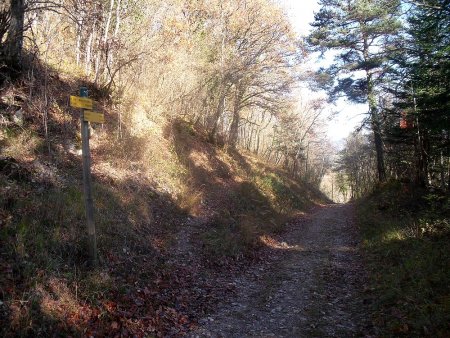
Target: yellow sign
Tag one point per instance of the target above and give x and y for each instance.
(80, 102)
(94, 117)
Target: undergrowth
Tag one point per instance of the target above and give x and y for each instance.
(244, 197)
(406, 234)
(150, 179)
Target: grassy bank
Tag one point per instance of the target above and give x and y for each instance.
(406, 238)
(155, 180)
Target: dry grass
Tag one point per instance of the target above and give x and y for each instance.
(145, 183)
(22, 144)
(243, 197)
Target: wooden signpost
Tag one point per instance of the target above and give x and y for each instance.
(80, 101)
(87, 116)
(94, 117)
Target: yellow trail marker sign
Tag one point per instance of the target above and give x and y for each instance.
(80, 102)
(94, 117)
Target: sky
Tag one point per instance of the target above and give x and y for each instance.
(349, 116)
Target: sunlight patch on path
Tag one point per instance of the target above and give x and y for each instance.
(275, 244)
(309, 285)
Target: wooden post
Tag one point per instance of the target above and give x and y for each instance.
(92, 239)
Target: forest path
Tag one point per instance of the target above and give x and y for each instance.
(311, 285)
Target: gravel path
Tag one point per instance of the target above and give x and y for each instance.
(311, 285)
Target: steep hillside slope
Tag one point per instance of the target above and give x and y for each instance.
(173, 213)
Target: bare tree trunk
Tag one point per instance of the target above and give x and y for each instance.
(278, 157)
(103, 42)
(78, 41)
(379, 150)
(251, 143)
(110, 56)
(88, 58)
(118, 18)
(97, 64)
(376, 129)
(374, 116)
(219, 111)
(234, 128)
(258, 142)
(14, 42)
(421, 156)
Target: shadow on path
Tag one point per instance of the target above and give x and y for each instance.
(311, 286)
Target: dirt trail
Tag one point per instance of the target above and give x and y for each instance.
(310, 286)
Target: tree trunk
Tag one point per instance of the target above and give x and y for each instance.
(14, 42)
(421, 156)
(379, 150)
(234, 128)
(88, 57)
(374, 117)
(219, 111)
(110, 56)
(442, 170)
(79, 26)
(448, 160)
(103, 48)
(118, 18)
(376, 128)
(258, 142)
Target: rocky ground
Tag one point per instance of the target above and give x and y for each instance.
(311, 285)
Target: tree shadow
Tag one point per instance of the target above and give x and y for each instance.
(240, 160)
(236, 209)
(45, 242)
(44, 237)
(409, 276)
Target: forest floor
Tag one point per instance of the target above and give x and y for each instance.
(199, 240)
(311, 284)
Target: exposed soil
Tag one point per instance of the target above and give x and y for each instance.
(310, 285)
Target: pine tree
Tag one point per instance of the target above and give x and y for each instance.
(422, 88)
(363, 32)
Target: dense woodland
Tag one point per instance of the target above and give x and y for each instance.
(234, 68)
(215, 139)
(394, 56)
(230, 67)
